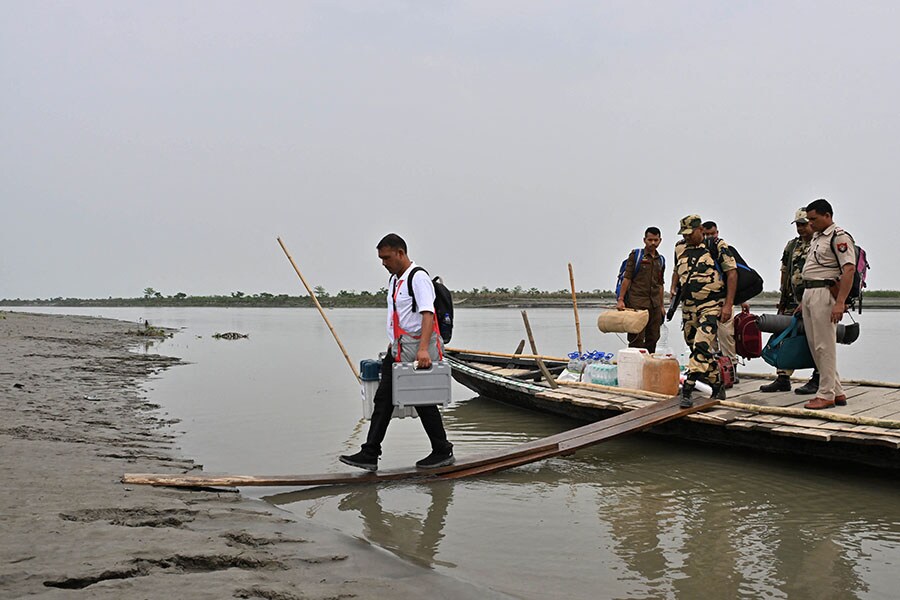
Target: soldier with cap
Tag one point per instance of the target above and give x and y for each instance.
(792, 261)
(706, 300)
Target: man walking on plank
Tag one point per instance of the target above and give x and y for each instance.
(413, 337)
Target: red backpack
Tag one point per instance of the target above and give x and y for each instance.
(747, 336)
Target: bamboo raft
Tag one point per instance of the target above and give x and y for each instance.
(865, 431)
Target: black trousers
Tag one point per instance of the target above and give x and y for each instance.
(384, 407)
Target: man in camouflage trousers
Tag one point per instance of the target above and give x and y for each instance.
(707, 297)
(792, 260)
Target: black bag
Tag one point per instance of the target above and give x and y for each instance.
(749, 282)
(443, 304)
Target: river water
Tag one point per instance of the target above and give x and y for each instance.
(637, 517)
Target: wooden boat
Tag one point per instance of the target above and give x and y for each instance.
(866, 431)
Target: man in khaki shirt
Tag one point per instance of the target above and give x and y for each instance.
(827, 278)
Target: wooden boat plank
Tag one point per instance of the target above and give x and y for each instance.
(885, 411)
(802, 432)
(506, 372)
(869, 440)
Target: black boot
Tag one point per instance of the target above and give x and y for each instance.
(718, 391)
(782, 383)
(686, 389)
(811, 386)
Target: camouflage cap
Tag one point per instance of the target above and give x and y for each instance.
(800, 216)
(689, 223)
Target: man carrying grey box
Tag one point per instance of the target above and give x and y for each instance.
(414, 338)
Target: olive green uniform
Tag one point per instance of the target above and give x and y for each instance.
(645, 293)
(792, 260)
(702, 297)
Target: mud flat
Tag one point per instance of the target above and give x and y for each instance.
(74, 420)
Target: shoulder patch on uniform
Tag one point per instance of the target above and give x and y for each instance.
(842, 247)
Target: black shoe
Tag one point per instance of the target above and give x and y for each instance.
(436, 459)
(810, 387)
(782, 383)
(361, 460)
(718, 391)
(686, 389)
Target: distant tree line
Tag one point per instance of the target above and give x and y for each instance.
(475, 297)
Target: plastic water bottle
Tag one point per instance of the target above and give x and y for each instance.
(575, 363)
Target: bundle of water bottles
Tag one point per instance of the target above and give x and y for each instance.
(591, 367)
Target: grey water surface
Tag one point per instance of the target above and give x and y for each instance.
(638, 517)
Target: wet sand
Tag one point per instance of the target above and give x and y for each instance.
(74, 420)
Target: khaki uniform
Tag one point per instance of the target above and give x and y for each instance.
(792, 260)
(823, 264)
(645, 293)
(702, 297)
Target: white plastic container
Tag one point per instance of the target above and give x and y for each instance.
(631, 368)
(370, 372)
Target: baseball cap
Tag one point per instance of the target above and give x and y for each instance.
(800, 216)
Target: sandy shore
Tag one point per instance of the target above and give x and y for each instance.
(74, 420)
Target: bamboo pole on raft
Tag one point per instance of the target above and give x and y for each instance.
(575, 307)
(321, 311)
(547, 375)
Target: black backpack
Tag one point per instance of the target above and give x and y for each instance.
(443, 304)
(749, 282)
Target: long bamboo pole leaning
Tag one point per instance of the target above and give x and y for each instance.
(321, 311)
(505, 354)
(575, 307)
(547, 375)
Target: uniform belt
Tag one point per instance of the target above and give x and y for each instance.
(817, 283)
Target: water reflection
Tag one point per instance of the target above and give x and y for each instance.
(411, 534)
(639, 519)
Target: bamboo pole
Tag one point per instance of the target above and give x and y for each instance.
(321, 312)
(518, 352)
(575, 307)
(506, 354)
(816, 414)
(540, 363)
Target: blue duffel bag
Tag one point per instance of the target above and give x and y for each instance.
(789, 349)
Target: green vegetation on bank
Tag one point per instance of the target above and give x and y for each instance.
(475, 297)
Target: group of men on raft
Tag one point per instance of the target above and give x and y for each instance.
(817, 269)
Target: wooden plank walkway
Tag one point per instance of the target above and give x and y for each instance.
(653, 413)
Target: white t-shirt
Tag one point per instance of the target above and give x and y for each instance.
(409, 321)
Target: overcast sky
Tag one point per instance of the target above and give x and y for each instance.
(167, 144)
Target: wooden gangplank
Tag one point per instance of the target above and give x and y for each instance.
(560, 444)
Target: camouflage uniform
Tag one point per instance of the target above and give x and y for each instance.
(792, 260)
(702, 297)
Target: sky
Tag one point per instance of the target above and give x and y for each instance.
(167, 144)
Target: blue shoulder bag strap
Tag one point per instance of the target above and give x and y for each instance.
(795, 322)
